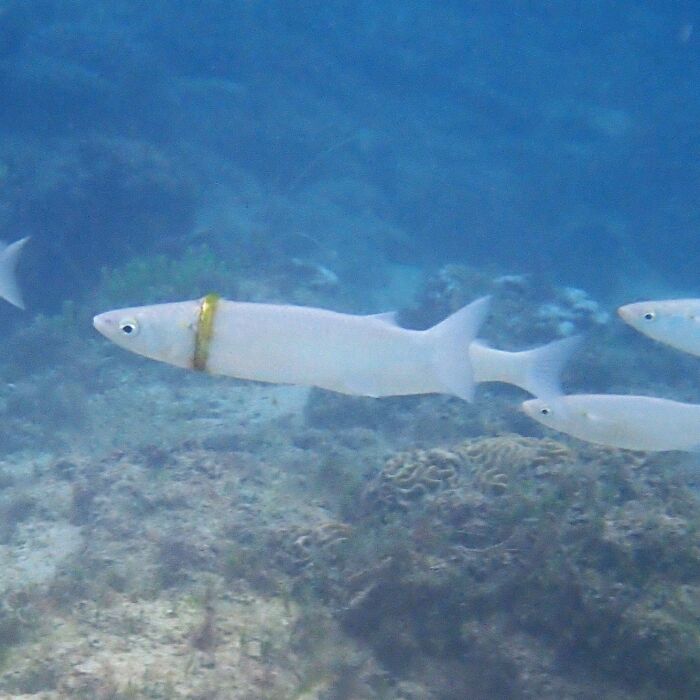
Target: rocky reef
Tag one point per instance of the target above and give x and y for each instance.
(501, 566)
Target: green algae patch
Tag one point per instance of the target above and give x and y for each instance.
(161, 278)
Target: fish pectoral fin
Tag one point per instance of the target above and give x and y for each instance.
(597, 419)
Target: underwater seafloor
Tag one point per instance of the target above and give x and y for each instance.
(165, 534)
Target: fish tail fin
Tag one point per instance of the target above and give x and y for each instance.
(9, 289)
(538, 370)
(451, 339)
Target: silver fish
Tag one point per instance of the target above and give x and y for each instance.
(351, 354)
(632, 422)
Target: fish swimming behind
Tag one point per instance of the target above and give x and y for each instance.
(351, 354)
(9, 255)
(631, 422)
(675, 322)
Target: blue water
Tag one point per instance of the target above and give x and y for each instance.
(550, 137)
(359, 156)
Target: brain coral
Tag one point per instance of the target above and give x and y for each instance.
(491, 459)
(483, 464)
(408, 476)
(299, 546)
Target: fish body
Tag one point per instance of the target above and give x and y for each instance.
(346, 353)
(675, 322)
(9, 255)
(631, 422)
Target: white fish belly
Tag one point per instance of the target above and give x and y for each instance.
(314, 347)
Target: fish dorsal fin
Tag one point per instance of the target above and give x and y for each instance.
(388, 317)
(451, 339)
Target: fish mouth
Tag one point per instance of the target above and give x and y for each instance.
(625, 313)
(525, 407)
(101, 323)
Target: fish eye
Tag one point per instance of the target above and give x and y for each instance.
(129, 326)
(545, 411)
(649, 316)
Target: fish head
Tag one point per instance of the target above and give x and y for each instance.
(541, 410)
(556, 412)
(640, 314)
(675, 322)
(605, 419)
(164, 332)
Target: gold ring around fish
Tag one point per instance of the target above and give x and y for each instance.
(205, 330)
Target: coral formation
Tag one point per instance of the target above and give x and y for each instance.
(299, 547)
(407, 477)
(553, 526)
(485, 463)
(492, 460)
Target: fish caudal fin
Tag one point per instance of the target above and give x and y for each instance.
(9, 254)
(451, 339)
(538, 371)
